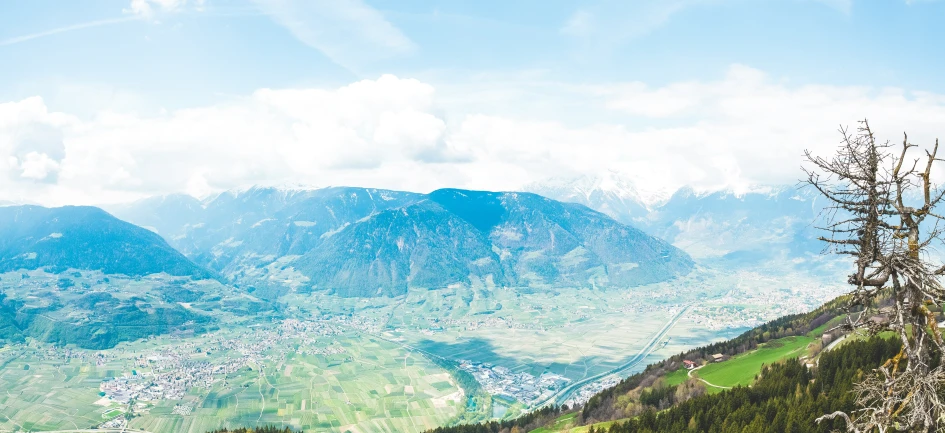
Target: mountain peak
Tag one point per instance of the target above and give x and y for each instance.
(581, 188)
(85, 237)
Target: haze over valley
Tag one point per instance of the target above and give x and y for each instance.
(435, 216)
(518, 291)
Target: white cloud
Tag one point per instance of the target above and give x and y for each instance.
(140, 8)
(64, 29)
(148, 8)
(581, 23)
(745, 129)
(36, 166)
(611, 22)
(349, 32)
(605, 24)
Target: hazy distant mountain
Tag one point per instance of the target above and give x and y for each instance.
(258, 225)
(762, 224)
(766, 223)
(366, 242)
(610, 193)
(166, 215)
(87, 238)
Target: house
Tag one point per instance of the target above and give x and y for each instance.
(689, 364)
(717, 357)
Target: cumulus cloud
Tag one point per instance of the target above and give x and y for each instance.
(745, 129)
(33, 140)
(36, 166)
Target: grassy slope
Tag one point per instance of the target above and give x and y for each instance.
(566, 424)
(742, 369)
(739, 370)
(676, 377)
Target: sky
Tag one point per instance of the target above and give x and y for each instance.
(114, 100)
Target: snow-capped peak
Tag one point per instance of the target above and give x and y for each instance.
(609, 182)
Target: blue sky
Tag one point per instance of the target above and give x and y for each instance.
(230, 47)
(524, 63)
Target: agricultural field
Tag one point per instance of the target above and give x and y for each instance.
(50, 394)
(361, 384)
(326, 363)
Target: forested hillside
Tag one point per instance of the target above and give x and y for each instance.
(786, 396)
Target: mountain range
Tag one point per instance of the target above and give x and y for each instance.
(775, 222)
(370, 242)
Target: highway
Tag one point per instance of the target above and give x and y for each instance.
(561, 396)
(566, 393)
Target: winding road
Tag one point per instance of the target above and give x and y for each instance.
(705, 381)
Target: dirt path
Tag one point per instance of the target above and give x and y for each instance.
(705, 381)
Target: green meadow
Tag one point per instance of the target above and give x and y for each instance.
(742, 369)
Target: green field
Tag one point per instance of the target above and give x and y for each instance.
(373, 386)
(563, 423)
(820, 330)
(383, 380)
(676, 377)
(566, 424)
(742, 369)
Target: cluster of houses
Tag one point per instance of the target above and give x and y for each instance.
(503, 382)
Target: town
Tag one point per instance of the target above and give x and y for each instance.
(501, 382)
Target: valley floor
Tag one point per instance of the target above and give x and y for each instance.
(343, 364)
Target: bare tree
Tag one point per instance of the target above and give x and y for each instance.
(883, 214)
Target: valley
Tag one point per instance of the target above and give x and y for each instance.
(376, 364)
(375, 216)
(362, 310)
(312, 375)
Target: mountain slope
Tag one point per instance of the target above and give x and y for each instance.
(86, 238)
(370, 242)
(473, 237)
(418, 245)
(238, 229)
(785, 394)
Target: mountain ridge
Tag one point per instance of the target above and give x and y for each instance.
(386, 241)
(85, 238)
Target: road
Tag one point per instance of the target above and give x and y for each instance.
(566, 393)
(705, 381)
(563, 395)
